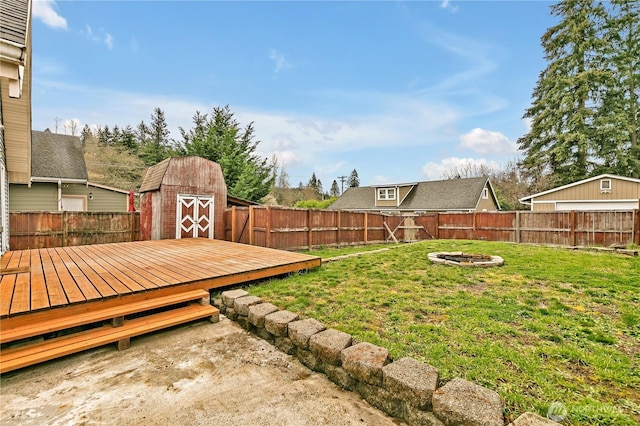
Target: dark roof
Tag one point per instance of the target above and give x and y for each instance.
(154, 175)
(240, 202)
(438, 195)
(14, 21)
(57, 156)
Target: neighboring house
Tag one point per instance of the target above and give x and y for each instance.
(59, 180)
(604, 192)
(452, 195)
(15, 103)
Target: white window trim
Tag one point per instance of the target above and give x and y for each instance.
(389, 194)
(485, 193)
(602, 188)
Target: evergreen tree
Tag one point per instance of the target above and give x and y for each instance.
(219, 138)
(335, 190)
(313, 182)
(618, 118)
(562, 139)
(157, 145)
(354, 180)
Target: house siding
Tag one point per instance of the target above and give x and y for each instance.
(4, 193)
(40, 197)
(103, 200)
(620, 190)
(488, 204)
(17, 136)
(403, 191)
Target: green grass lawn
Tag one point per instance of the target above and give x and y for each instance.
(550, 325)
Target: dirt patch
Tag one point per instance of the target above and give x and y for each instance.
(198, 374)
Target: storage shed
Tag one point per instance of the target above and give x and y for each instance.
(183, 197)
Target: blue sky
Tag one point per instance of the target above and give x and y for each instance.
(400, 91)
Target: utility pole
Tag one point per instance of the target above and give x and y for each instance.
(342, 179)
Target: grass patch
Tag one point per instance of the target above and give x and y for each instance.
(550, 325)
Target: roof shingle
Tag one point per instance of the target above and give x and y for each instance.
(57, 156)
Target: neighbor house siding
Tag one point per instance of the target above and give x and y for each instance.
(4, 193)
(17, 135)
(403, 191)
(620, 190)
(488, 204)
(103, 200)
(40, 197)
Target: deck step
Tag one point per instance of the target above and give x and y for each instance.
(23, 356)
(98, 314)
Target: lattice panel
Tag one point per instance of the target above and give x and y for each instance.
(194, 217)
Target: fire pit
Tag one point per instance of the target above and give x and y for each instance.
(458, 258)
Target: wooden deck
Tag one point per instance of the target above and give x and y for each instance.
(118, 288)
(46, 279)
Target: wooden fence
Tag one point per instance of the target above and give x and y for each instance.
(294, 229)
(29, 230)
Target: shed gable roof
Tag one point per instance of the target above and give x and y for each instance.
(154, 175)
(580, 182)
(449, 194)
(57, 156)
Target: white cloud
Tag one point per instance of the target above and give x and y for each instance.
(446, 4)
(434, 171)
(98, 37)
(133, 45)
(279, 61)
(381, 180)
(44, 11)
(487, 142)
(108, 40)
(528, 122)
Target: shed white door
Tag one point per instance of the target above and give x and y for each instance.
(194, 216)
(74, 203)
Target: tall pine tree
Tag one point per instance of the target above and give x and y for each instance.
(219, 138)
(354, 180)
(562, 140)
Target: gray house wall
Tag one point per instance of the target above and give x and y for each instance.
(44, 197)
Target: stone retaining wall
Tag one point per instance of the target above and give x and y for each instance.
(406, 389)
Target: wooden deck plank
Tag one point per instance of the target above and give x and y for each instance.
(89, 261)
(55, 291)
(7, 285)
(93, 283)
(5, 260)
(130, 262)
(133, 281)
(71, 288)
(39, 294)
(21, 301)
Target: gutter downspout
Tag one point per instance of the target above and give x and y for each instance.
(59, 195)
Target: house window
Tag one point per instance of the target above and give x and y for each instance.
(386, 193)
(605, 185)
(485, 194)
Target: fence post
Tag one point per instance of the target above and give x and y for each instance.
(267, 227)
(572, 221)
(234, 227)
(518, 226)
(338, 241)
(132, 225)
(366, 227)
(251, 224)
(636, 227)
(309, 231)
(473, 225)
(436, 233)
(65, 226)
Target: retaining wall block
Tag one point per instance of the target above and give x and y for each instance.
(340, 377)
(412, 381)
(532, 419)
(231, 314)
(244, 323)
(229, 296)
(242, 304)
(277, 323)
(301, 331)
(329, 344)
(264, 334)
(258, 312)
(217, 303)
(382, 399)
(285, 345)
(310, 360)
(364, 362)
(461, 402)
(417, 417)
